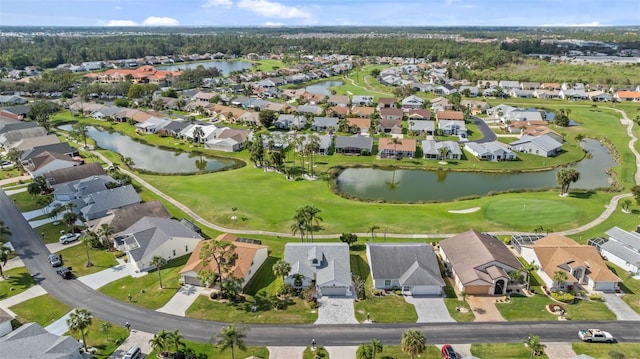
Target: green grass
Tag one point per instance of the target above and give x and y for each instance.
(97, 339)
(521, 308)
(76, 257)
(603, 350)
(214, 352)
(313, 354)
(43, 310)
(506, 351)
(452, 304)
(25, 202)
(629, 285)
(153, 297)
(395, 352)
(387, 309)
(50, 232)
(298, 312)
(517, 212)
(17, 281)
(589, 310)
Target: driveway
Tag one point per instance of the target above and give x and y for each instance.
(619, 307)
(60, 326)
(104, 277)
(484, 308)
(430, 309)
(136, 337)
(182, 300)
(487, 134)
(559, 350)
(286, 352)
(342, 352)
(336, 310)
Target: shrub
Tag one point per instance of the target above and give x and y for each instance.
(594, 296)
(563, 297)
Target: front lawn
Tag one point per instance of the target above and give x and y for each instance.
(43, 310)
(105, 344)
(629, 285)
(51, 232)
(76, 257)
(589, 310)
(453, 304)
(298, 312)
(26, 202)
(17, 281)
(521, 308)
(390, 308)
(210, 351)
(395, 352)
(605, 351)
(317, 352)
(506, 351)
(146, 290)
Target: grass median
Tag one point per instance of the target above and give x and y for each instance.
(17, 281)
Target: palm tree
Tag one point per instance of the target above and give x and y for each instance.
(537, 348)
(105, 327)
(298, 226)
(87, 239)
(413, 342)
(79, 320)
(565, 177)
(372, 229)
(33, 189)
(281, 268)
(464, 296)
(4, 231)
(395, 141)
(364, 352)
(443, 152)
(4, 257)
(231, 337)
(560, 277)
(70, 219)
(80, 130)
(175, 338)
(159, 342)
(376, 347)
(158, 262)
(529, 268)
(198, 134)
(311, 215)
(105, 231)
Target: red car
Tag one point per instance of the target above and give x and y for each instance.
(448, 352)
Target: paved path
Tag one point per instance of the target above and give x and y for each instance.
(136, 337)
(182, 300)
(59, 327)
(336, 310)
(620, 307)
(42, 222)
(430, 309)
(15, 191)
(57, 246)
(14, 180)
(12, 263)
(559, 350)
(286, 352)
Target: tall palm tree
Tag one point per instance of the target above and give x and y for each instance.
(395, 141)
(87, 239)
(565, 177)
(364, 352)
(529, 268)
(560, 277)
(176, 339)
(413, 342)
(80, 130)
(311, 215)
(281, 268)
(376, 347)
(198, 134)
(298, 225)
(158, 262)
(159, 342)
(79, 320)
(105, 327)
(372, 229)
(104, 232)
(231, 337)
(4, 257)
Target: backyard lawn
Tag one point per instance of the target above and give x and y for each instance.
(43, 310)
(51, 232)
(26, 203)
(17, 281)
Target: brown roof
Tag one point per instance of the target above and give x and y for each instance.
(390, 111)
(449, 115)
(405, 144)
(30, 142)
(338, 110)
(141, 116)
(389, 124)
(339, 99)
(47, 157)
(550, 85)
(470, 251)
(74, 173)
(123, 218)
(360, 122)
(363, 110)
(556, 251)
(387, 100)
(419, 113)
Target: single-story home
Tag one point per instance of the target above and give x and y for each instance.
(544, 145)
(33, 341)
(490, 151)
(411, 267)
(434, 150)
(325, 124)
(421, 127)
(73, 173)
(354, 145)
(50, 161)
(358, 125)
(325, 265)
(98, 204)
(453, 128)
(404, 148)
(286, 122)
(478, 262)
(622, 248)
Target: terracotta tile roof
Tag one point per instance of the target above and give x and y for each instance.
(363, 110)
(338, 110)
(406, 144)
(419, 113)
(360, 122)
(449, 115)
(628, 94)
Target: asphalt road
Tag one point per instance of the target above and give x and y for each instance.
(72, 292)
(487, 134)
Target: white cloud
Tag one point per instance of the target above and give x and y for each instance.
(218, 3)
(121, 23)
(588, 24)
(273, 24)
(273, 9)
(160, 21)
(118, 7)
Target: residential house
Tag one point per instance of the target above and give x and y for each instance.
(444, 89)
(550, 86)
(33, 341)
(453, 128)
(152, 125)
(419, 114)
(249, 255)
(290, 122)
(529, 85)
(517, 93)
(621, 248)
(61, 148)
(65, 175)
(475, 107)
(31, 142)
(11, 100)
(410, 267)
(391, 113)
(81, 188)
(354, 145)
(8, 138)
(338, 111)
(573, 95)
(105, 112)
(582, 264)
(509, 85)
(412, 102)
(423, 87)
(358, 125)
(277, 107)
(544, 145)
(293, 94)
(309, 109)
(424, 127)
(387, 102)
(487, 84)
(599, 96)
(15, 124)
(450, 116)
(522, 115)
(469, 91)
(98, 204)
(324, 124)
(404, 148)
(440, 104)
(362, 100)
(479, 263)
(312, 98)
(441, 150)
(207, 130)
(228, 139)
(540, 131)
(624, 96)
(173, 128)
(122, 218)
(490, 151)
(150, 237)
(546, 94)
(361, 111)
(338, 100)
(324, 143)
(249, 118)
(50, 161)
(325, 263)
(389, 126)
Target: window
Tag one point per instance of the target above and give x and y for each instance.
(174, 252)
(387, 282)
(186, 248)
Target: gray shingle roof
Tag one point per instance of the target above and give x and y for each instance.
(432, 147)
(74, 173)
(62, 147)
(354, 142)
(108, 199)
(152, 232)
(545, 142)
(411, 263)
(33, 341)
(333, 261)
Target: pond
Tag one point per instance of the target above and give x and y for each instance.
(154, 159)
(225, 67)
(322, 88)
(424, 185)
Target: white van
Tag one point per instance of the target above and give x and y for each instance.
(133, 353)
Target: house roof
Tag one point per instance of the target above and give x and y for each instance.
(18, 125)
(631, 239)
(469, 251)
(390, 111)
(628, 94)
(339, 99)
(419, 114)
(363, 110)
(387, 100)
(556, 252)
(74, 173)
(362, 142)
(332, 259)
(83, 187)
(152, 232)
(61, 147)
(389, 124)
(422, 125)
(433, 147)
(109, 199)
(411, 263)
(545, 142)
(122, 218)
(326, 121)
(47, 157)
(449, 115)
(30, 142)
(33, 341)
(17, 135)
(405, 144)
(359, 122)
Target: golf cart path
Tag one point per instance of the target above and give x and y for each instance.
(610, 208)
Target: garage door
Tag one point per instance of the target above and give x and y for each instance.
(191, 280)
(426, 290)
(341, 291)
(477, 289)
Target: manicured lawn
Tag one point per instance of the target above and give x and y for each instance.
(264, 279)
(390, 308)
(458, 316)
(506, 351)
(214, 352)
(298, 312)
(76, 257)
(50, 232)
(97, 339)
(43, 310)
(589, 310)
(146, 290)
(629, 285)
(522, 308)
(604, 351)
(518, 212)
(17, 281)
(25, 202)
(395, 352)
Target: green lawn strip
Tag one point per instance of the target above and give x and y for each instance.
(264, 279)
(97, 339)
(605, 350)
(17, 281)
(9, 173)
(315, 353)
(146, 290)
(390, 308)
(617, 219)
(51, 232)
(453, 304)
(521, 308)
(25, 202)
(298, 312)
(395, 352)
(629, 285)
(43, 310)
(210, 351)
(589, 310)
(506, 351)
(76, 257)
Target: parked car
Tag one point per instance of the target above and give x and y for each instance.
(65, 272)
(448, 352)
(595, 335)
(69, 237)
(55, 260)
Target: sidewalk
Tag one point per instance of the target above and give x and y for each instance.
(182, 300)
(286, 352)
(14, 180)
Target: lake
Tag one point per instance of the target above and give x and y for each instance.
(225, 67)
(425, 185)
(322, 88)
(154, 159)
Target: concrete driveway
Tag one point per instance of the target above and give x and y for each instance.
(619, 307)
(182, 300)
(139, 338)
(99, 279)
(484, 308)
(336, 310)
(430, 309)
(559, 350)
(286, 352)
(342, 352)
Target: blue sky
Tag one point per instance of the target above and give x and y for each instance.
(319, 12)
